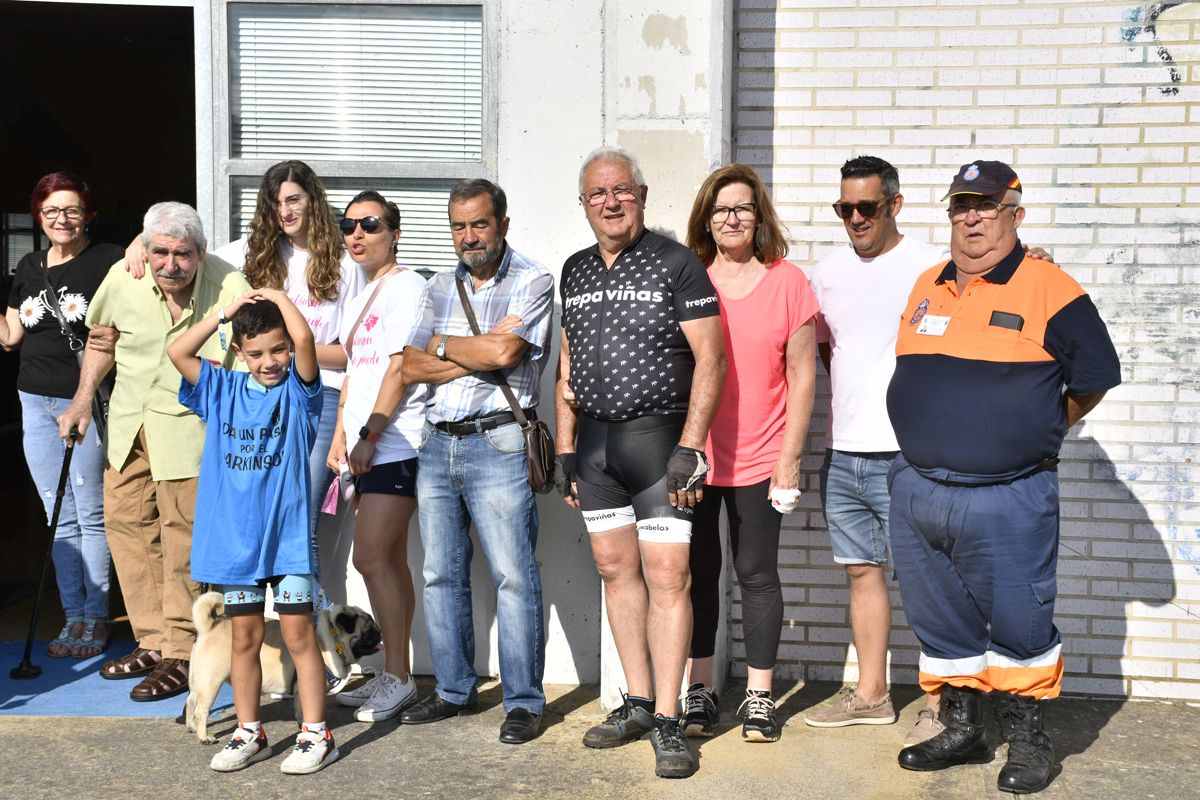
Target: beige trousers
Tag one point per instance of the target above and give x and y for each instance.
(149, 526)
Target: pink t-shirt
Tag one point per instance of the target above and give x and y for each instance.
(747, 432)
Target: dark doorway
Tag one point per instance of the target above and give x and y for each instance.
(107, 91)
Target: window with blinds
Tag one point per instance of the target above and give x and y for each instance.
(350, 82)
(425, 241)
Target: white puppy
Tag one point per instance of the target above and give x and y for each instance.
(344, 634)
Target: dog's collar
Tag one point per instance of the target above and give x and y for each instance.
(339, 647)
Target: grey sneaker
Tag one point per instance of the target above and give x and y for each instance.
(928, 726)
(700, 715)
(390, 697)
(243, 749)
(353, 698)
(672, 756)
(851, 710)
(627, 723)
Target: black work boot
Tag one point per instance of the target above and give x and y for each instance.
(1030, 762)
(963, 742)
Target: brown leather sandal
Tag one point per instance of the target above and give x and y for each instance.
(168, 679)
(138, 663)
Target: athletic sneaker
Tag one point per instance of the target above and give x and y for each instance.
(243, 749)
(313, 752)
(627, 723)
(927, 726)
(700, 715)
(672, 756)
(852, 710)
(360, 694)
(759, 723)
(391, 696)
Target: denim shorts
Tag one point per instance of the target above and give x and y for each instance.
(293, 595)
(855, 495)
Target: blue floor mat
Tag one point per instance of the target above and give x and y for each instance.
(72, 687)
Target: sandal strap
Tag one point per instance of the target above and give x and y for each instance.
(169, 675)
(139, 659)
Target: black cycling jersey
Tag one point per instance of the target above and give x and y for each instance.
(629, 357)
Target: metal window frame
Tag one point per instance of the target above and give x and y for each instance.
(217, 167)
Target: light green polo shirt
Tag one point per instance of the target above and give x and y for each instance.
(146, 394)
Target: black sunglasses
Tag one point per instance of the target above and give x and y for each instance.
(866, 209)
(369, 225)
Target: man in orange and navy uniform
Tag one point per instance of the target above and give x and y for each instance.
(998, 355)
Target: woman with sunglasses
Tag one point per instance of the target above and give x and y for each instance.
(381, 418)
(756, 439)
(294, 245)
(52, 283)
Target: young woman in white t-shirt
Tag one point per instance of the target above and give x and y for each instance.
(379, 429)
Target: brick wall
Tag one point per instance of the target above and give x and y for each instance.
(1096, 105)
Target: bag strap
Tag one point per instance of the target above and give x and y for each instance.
(348, 345)
(511, 397)
(63, 326)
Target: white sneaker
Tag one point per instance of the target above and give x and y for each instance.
(243, 749)
(391, 696)
(353, 698)
(313, 752)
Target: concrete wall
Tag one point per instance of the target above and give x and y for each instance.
(1096, 105)
(572, 76)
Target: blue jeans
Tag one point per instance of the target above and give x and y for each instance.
(80, 551)
(481, 478)
(855, 497)
(319, 474)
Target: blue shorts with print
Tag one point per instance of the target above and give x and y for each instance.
(293, 595)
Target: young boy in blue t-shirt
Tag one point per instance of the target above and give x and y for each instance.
(251, 525)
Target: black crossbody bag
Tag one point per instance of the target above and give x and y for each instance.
(104, 390)
(539, 444)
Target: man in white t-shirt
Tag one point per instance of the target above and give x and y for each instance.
(862, 290)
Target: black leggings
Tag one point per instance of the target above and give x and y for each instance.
(756, 562)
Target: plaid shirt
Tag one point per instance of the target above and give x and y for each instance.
(520, 286)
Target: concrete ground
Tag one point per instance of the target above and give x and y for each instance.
(1108, 749)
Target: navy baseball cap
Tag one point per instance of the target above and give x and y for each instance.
(984, 178)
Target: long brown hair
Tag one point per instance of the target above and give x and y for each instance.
(265, 267)
(770, 244)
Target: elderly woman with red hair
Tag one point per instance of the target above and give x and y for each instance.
(50, 294)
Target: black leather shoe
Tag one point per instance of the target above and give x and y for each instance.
(434, 708)
(962, 742)
(520, 726)
(1030, 764)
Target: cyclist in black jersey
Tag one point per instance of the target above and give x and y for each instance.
(640, 373)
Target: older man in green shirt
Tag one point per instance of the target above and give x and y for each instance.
(154, 443)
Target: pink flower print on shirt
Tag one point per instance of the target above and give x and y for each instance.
(370, 321)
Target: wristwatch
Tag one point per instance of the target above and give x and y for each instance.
(441, 348)
(221, 316)
(366, 433)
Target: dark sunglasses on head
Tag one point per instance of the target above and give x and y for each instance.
(369, 225)
(866, 209)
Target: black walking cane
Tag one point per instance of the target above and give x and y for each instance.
(26, 669)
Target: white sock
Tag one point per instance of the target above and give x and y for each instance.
(315, 727)
(253, 727)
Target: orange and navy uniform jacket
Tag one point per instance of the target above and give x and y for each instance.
(977, 395)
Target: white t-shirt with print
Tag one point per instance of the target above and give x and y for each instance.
(861, 303)
(324, 317)
(384, 330)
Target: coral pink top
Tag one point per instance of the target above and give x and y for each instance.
(747, 433)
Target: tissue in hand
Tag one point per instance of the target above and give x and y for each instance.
(784, 500)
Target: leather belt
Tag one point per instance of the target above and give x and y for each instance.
(467, 427)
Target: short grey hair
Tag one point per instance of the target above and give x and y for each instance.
(612, 155)
(177, 220)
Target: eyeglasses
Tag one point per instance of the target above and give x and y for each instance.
(866, 209)
(984, 209)
(369, 225)
(622, 192)
(70, 212)
(293, 202)
(745, 212)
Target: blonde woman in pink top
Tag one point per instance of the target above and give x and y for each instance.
(756, 439)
